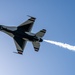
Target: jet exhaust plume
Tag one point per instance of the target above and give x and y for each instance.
(60, 44)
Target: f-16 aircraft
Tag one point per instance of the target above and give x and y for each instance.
(22, 34)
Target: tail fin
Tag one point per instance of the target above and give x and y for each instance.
(41, 33)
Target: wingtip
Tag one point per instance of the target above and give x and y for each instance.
(18, 53)
(31, 16)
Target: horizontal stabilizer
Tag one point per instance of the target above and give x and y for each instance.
(36, 46)
(41, 33)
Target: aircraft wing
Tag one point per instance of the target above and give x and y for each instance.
(36, 46)
(27, 25)
(20, 44)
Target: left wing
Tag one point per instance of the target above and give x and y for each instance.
(36, 46)
(27, 25)
(20, 44)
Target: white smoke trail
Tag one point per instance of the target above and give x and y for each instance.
(64, 45)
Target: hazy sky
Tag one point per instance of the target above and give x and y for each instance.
(58, 18)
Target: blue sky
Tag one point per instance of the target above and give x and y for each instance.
(58, 18)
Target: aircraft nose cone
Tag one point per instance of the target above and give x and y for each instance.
(0, 27)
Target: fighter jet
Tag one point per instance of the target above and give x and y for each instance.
(22, 33)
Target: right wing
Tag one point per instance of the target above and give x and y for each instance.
(27, 25)
(36, 46)
(20, 44)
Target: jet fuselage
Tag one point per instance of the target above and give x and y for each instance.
(24, 35)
